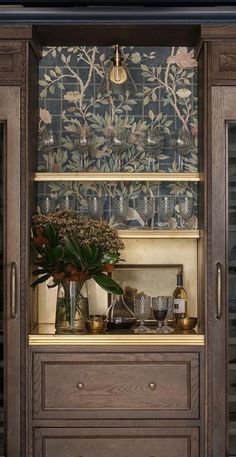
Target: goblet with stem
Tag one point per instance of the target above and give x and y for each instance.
(142, 309)
(166, 206)
(185, 208)
(170, 304)
(118, 144)
(84, 142)
(47, 204)
(120, 209)
(160, 309)
(67, 202)
(48, 144)
(146, 207)
(95, 206)
(181, 144)
(153, 144)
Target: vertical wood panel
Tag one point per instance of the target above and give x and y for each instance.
(10, 114)
(223, 110)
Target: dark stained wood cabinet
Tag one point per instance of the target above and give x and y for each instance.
(125, 442)
(15, 100)
(129, 401)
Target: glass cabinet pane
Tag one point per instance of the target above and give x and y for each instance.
(1, 296)
(232, 286)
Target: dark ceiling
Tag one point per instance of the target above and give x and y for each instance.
(110, 3)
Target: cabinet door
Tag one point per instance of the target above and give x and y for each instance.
(138, 442)
(9, 269)
(222, 274)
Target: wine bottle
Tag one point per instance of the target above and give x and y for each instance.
(180, 299)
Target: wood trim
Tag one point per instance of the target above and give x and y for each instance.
(43, 437)
(15, 32)
(10, 115)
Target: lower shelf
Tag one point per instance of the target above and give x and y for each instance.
(45, 335)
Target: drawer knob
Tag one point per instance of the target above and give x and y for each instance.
(152, 385)
(80, 386)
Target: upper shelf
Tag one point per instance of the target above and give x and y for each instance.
(158, 234)
(157, 177)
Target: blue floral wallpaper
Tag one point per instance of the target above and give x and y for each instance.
(149, 125)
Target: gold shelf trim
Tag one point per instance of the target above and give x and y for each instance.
(117, 340)
(162, 234)
(157, 177)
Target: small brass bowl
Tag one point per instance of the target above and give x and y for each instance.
(186, 323)
(96, 324)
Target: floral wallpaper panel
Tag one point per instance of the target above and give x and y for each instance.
(148, 126)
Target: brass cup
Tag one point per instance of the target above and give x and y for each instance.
(96, 324)
(186, 323)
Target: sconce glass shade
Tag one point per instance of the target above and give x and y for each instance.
(117, 79)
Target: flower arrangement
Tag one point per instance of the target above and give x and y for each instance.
(74, 248)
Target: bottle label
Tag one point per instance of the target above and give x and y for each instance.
(179, 306)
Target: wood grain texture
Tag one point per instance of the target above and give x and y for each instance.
(116, 384)
(136, 442)
(10, 116)
(223, 62)
(124, 34)
(223, 110)
(11, 65)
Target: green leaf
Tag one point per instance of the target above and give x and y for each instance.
(73, 251)
(51, 234)
(110, 257)
(107, 283)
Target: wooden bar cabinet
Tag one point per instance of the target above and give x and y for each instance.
(120, 395)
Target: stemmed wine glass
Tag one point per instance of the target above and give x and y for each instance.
(48, 144)
(185, 208)
(47, 204)
(142, 309)
(160, 309)
(166, 206)
(180, 142)
(120, 209)
(118, 143)
(67, 202)
(170, 304)
(146, 207)
(84, 143)
(95, 206)
(153, 144)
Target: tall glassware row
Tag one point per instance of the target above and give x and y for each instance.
(125, 205)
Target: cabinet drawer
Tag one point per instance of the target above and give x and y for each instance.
(160, 385)
(138, 442)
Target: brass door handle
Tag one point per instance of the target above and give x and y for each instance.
(152, 385)
(13, 299)
(218, 290)
(80, 386)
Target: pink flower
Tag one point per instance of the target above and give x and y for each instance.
(45, 116)
(194, 130)
(183, 58)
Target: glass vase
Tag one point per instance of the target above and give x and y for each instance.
(71, 309)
